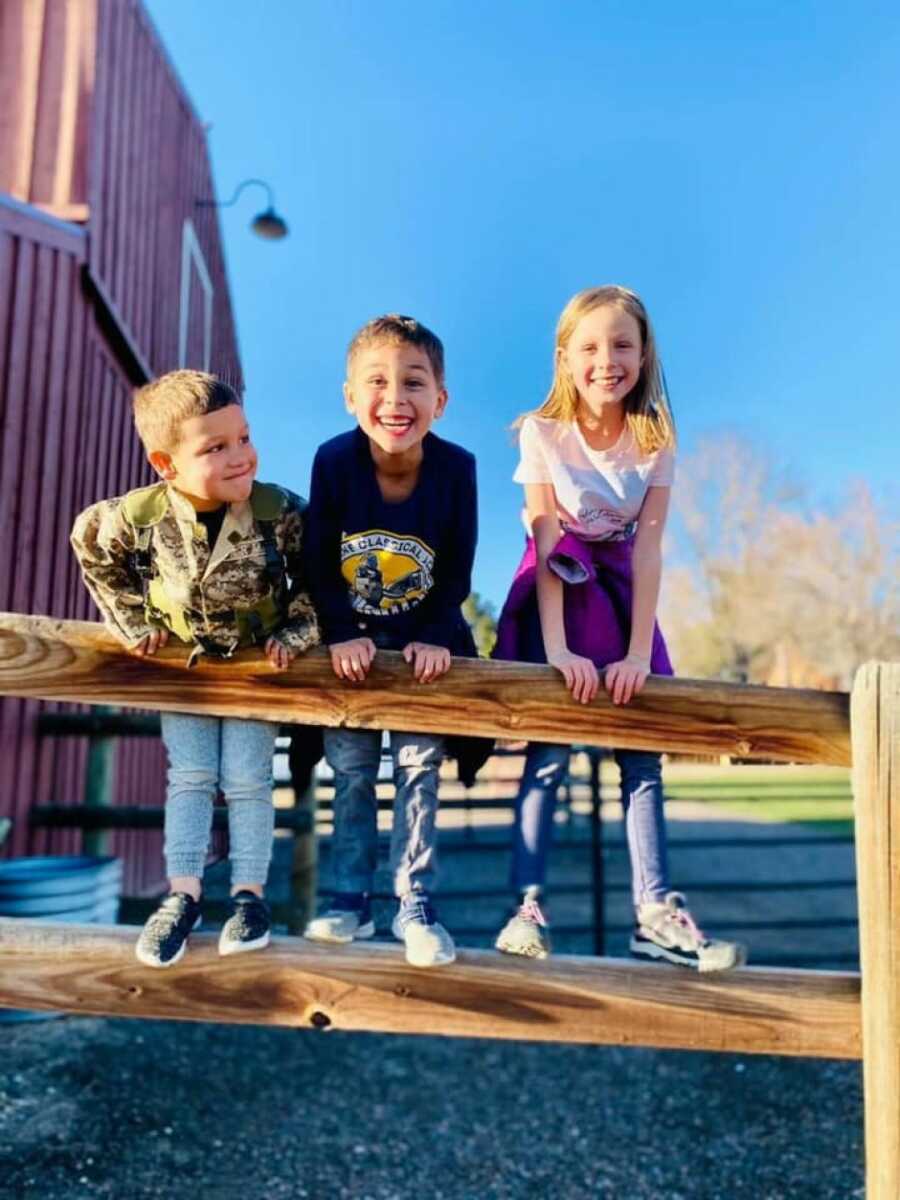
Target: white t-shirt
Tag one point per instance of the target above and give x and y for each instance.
(599, 493)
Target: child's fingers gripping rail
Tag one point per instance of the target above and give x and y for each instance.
(154, 640)
(428, 662)
(279, 655)
(580, 674)
(351, 660)
(623, 680)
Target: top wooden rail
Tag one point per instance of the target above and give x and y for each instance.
(48, 659)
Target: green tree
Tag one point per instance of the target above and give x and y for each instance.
(482, 619)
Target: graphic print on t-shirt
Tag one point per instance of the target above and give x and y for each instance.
(594, 510)
(386, 572)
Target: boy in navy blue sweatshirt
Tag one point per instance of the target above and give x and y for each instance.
(391, 532)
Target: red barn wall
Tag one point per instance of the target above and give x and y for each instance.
(103, 159)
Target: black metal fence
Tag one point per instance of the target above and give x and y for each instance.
(483, 822)
(585, 803)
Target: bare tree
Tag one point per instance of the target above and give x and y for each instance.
(764, 589)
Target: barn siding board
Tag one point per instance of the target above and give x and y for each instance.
(47, 55)
(139, 170)
(34, 417)
(47, 102)
(54, 454)
(17, 382)
(7, 291)
(9, 249)
(72, 381)
(104, 159)
(118, 249)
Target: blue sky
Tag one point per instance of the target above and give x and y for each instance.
(477, 164)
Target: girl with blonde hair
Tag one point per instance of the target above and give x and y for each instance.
(597, 465)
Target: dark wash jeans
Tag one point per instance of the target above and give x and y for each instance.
(642, 800)
(354, 755)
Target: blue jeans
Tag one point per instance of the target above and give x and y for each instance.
(354, 756)
(642, 801)
(207, 754)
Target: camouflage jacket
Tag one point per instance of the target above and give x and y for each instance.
(210, 590)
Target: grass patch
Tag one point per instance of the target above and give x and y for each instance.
(816, 797)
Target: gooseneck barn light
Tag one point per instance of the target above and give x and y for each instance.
(267, 224)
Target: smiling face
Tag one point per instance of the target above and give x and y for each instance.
(214, 462)
(394, 395)
(603, 356)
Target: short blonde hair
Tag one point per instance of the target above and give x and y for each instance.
(163, 405)
(647, 410)
(394, 329)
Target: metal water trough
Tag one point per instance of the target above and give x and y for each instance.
(75, 888)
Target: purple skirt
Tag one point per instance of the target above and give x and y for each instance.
(596, 605)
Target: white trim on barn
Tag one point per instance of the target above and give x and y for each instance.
(191, 253)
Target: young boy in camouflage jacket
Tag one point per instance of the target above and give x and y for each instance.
(210, 557)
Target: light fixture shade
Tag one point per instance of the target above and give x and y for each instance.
(269, 225)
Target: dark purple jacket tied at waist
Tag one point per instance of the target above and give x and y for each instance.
(596, 605)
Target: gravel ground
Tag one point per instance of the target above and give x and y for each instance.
(131, 1109)
(134, 1109)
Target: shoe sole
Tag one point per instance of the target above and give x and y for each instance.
(260, 943)
(506, 948)
(423, 963)
(363, 932)
(161, 966)
(652, 951)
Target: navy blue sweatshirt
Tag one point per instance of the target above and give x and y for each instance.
(394, 572)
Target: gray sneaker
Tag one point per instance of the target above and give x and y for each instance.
(666, 930)
(349, 919)
(428, 944)
(526, 932)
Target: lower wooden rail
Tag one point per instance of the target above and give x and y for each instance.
(91, 969)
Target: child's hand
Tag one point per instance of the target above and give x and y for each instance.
(351, 660)
(429, 662)
(580, 674)
(279, 655)
(155, 640)
(624, 679)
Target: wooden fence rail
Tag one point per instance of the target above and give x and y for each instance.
(46, 659)
(92, 970)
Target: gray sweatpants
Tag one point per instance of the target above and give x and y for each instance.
(207, 754)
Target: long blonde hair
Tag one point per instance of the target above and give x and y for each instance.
(647, 411)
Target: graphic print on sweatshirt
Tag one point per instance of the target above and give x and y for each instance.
(386, 572)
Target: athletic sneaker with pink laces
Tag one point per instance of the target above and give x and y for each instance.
(666, 930)
(526, 932)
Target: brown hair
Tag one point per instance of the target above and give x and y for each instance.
(647, 409)
(395, 329)
(161, 406)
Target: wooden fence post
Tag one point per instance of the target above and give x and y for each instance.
(304, 871)
(875, 729)
(99, 784)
